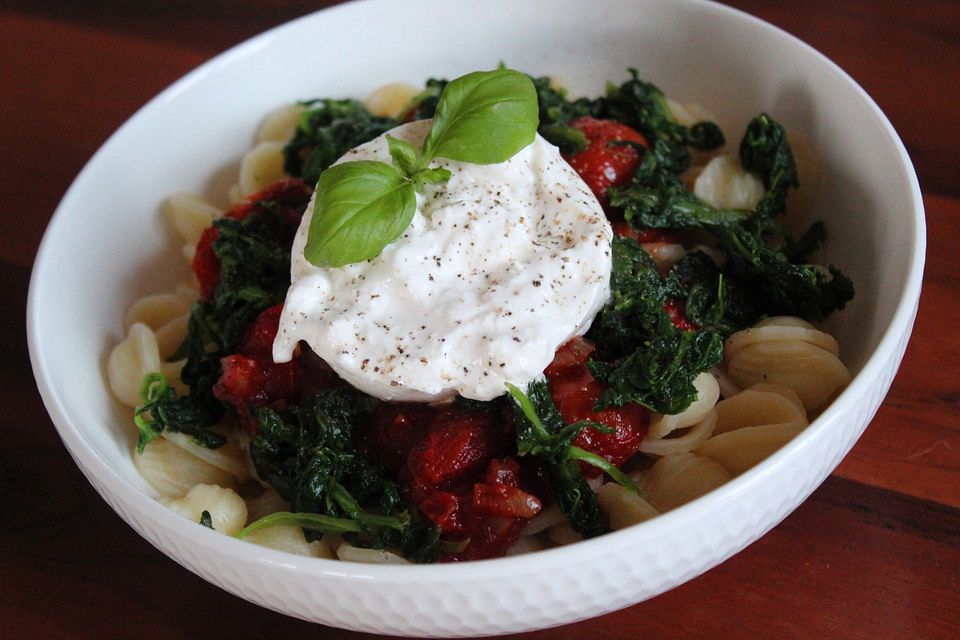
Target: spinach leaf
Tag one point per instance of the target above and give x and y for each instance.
(161, 409)
(643, 106)
(541, 432)
(640, 354)
(307, 453)
(327, 130)
(765, 151)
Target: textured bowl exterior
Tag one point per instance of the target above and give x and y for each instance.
(545, 588)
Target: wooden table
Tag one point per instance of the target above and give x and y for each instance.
(874, 553)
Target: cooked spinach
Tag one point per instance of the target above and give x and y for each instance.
(254, 256)
(308, 455)
(541, 432)
(643, 106)
(328, 129)
(161, 409)
(640, 354)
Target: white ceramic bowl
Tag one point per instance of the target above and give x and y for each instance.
(106, 245)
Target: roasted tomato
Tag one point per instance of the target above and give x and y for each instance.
(677, 311)
(605, 162)
(250, 378)
(646, 236)
(287, 197)
(456, 445)
(576, 392)
(489, 517)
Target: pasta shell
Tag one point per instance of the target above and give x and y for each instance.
(724, 183)
(779, 332)
(689, 441)
(677, 479)
(390, 100)
(189, 214)
(740, 450)
(227, 510)
(351, 553)
(172, 471)
(261, 167)
(280, 125)
(754, 407)
(813, 373)
(290, 538)
(132, 359)
(624, 507)
(171, 335)
(227, 458)
(157, 310)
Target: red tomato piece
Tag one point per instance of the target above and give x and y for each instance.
(570, 357)
(647, 236)
(604, 163)
(576, 396)
(677, 311)
(504, 501)
(392, 432)
(443, 509)
(257, 341)
(456, 445)
(206, 264)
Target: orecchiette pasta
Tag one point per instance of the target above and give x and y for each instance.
(172, 471)
(189, 215)
(369, 556)
(624, 507)
(260, 167)
(390, 100)
(676, 479)
(228, 512)
(158, 309)
(132, 359)
(740, 450)
(289, 538)
(280, 124)
(227, 458)
(758, 405)
(724, 183)
(800, 358)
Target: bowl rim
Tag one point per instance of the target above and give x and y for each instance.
(121, 489)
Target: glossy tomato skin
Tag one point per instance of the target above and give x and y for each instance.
(287, 197)
(250, 377)
(605, 162)
(206, 264)
(456, 445)
(575, 392)
(646, 236)
(677, 311)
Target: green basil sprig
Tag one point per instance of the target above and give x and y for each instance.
(360, 207)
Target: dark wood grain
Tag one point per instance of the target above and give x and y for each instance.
(875, 553)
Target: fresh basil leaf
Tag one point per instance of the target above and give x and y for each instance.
(404, 155)
(360, 208)
(483, 117)
(432, 175)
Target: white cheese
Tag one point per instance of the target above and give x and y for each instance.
(500, 266)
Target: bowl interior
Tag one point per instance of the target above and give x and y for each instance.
(107, 244)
